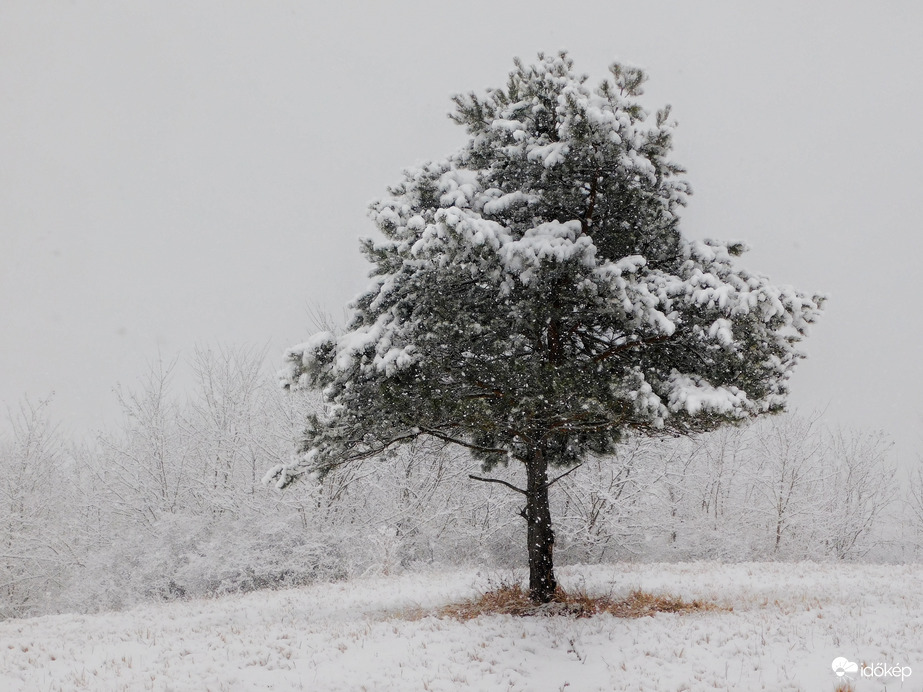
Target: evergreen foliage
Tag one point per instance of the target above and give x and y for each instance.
(533, 298)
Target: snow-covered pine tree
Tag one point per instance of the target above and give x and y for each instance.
(533, 300)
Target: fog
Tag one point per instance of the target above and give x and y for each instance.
(178, 175)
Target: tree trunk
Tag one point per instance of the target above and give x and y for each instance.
(537, 514)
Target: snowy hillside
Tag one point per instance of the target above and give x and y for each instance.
(787, 625)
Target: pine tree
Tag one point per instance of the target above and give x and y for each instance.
(534, 301)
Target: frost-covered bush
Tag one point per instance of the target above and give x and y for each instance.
(37, 549)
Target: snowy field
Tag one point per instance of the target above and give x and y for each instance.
(788, 623)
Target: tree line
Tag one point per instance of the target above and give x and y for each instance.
(169, 502)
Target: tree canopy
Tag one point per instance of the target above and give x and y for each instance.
(533, 298)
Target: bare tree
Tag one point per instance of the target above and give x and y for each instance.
(36, 550)
(788, 475)
(859, 485)
(144, 466)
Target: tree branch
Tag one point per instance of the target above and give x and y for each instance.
(588, 422)
(352, 455)
(455, 440)
(497, 480)
(571, 470)
(632, 344)
(587, 219)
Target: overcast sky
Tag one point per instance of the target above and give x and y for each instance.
(175, 174)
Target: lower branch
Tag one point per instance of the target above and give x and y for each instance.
(552, 482)
(463, 443)
(497, 480)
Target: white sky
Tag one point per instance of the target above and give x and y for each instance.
(176, 174)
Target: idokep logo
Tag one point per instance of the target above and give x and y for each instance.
(841, 666)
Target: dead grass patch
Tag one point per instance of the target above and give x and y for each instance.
(514, 600)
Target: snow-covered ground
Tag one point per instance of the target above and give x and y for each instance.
(788, 623)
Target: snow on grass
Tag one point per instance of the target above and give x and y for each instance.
(787, 624)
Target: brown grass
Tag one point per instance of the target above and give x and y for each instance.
(514, 600)
(844, 686)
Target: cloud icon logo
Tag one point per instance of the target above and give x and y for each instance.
(841, 666)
